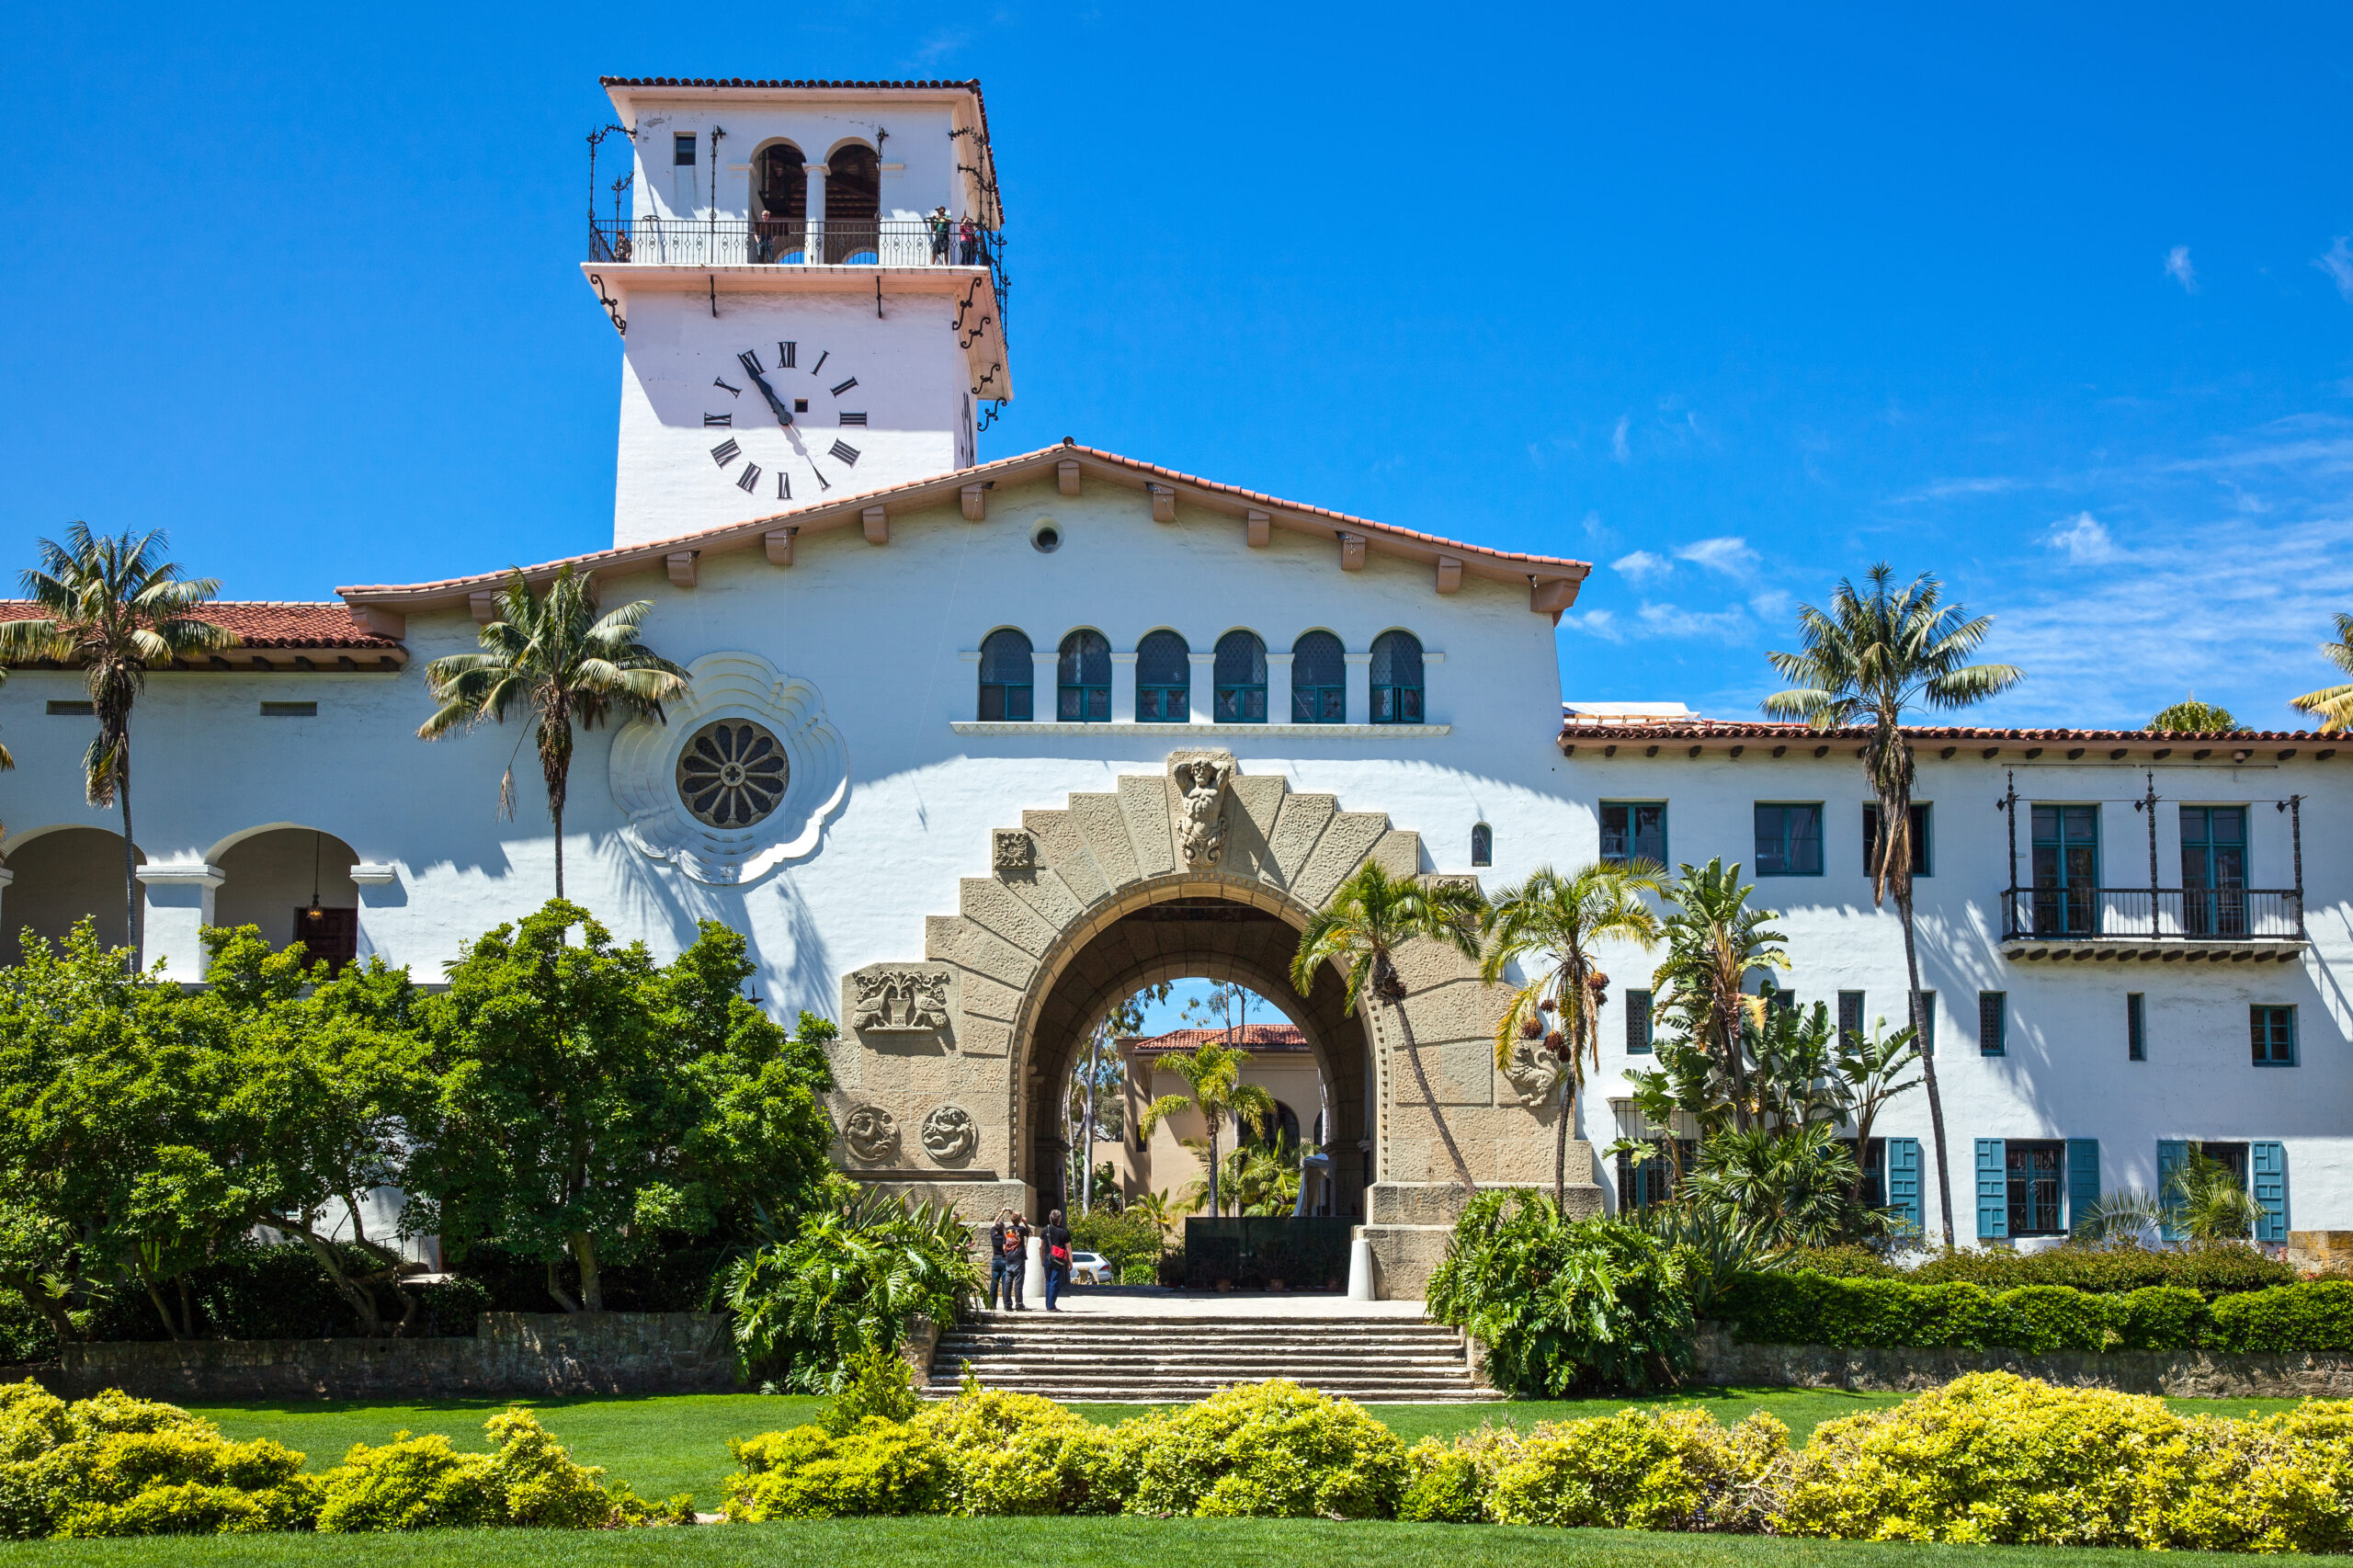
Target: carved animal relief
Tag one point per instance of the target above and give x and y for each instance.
(900, 1000)
(1533, 1070)
(1201, 815)
(872, 1132)
(949, 1134)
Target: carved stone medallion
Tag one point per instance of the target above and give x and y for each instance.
(1201, 777)
(1012, 850)
(1533, 1070)
(872, 1132)
(949, 1134)
(899, 1001)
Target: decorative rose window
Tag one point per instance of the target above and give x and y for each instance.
(733, 773)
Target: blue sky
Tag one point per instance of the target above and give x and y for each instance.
(1729, 299)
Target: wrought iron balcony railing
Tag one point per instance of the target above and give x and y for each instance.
(732, 242)
(2152, 914)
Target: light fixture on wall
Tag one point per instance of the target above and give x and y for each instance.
(314, 914)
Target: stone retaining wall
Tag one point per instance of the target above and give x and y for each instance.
(515, 1353)
(2184, 1374)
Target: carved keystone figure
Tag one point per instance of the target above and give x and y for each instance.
(1201, 777)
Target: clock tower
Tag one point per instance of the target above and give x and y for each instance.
(808, 281)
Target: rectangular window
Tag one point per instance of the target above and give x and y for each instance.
(1633, 830)
(682, 149)
(1850, 1013)
(2274, 1033)
(1992, 1022)
(2136, 1027)
(70, 710)
(2067, 870)
(1872, 1159)
(1920, 860)
(1788, 840)
(1653, 1181)
(1638, 1023)
(289, 709)
(2232, 1157)
(2213, 870)
(2033, 1172)
(1785, 1001)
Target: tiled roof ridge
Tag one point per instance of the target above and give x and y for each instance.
(745, 532)
(1278, 1036)
(266, 623)
(970, 84)
(1731, 729)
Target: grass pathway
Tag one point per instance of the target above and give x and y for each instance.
(664, 1444)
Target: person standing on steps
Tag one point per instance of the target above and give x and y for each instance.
(1008, 1252)
(1056, 1235)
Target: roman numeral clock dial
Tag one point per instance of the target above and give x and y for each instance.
(768, 410)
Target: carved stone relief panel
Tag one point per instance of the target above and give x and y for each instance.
(898, 999)
(1533, 1070)
(1013, 851)
(1201, 777)
(872, 1132)
(949, 1134)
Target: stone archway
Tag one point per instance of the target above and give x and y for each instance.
(945, 1065)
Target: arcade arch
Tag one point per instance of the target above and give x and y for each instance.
(59, 876)
(295, 884)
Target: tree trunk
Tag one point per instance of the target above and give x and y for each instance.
(557, 811)
(1928, 1059)
(362, 1299)
(592, 1287)
(1087, 1129)
(130, 932)
(1437, 1117)
(1739, 1068)
(1561, 1146)
(555, 1287)
(61, 1322)
(1212, 1118)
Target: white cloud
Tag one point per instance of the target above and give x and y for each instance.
(1948, 489)
(1595, 530)
(1771, 605)
(2339, 265)
(2177, 267)
(1674, 620)
(1596, 623)
(2082, 538)
(1618, 446)
(1728, 556)
(1641, 565)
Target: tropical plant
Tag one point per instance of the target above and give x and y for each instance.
(1264, 1178)
(1793, 1077)
(1872, 1067)
(854, 1279)
(2333, 704)
(556, 657)
(1163, 1211)
(1562, 1302)
(2128, 1215)
(1785, 1187)
(1711, 1248)
(2191, 717)
(1563, 919)
(111, 607)
(1213, 1071)
(2207, 1201)
(1362, 928)
(1714, 941)
(1875, 653)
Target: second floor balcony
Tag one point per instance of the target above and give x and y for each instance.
(2082, 922)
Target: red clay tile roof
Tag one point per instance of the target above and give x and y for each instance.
(267, 623)
(1253, 1037)
(1575, 730)
(1497, 564)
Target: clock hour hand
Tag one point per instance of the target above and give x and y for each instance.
(783, 410)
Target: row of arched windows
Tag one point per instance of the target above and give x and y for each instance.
(1319, 679)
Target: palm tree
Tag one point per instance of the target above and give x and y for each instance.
(1213, 1072)
(114, 607)
(1163, 1211)
(1873, 655)
(1367, 919)
(1565, 918)
(2333, 704)
(557, 657)
(1713, 939)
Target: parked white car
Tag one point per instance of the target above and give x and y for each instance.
(1092, 1268)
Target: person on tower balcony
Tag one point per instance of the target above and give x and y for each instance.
(970, 232)
(1056, 1235)
(939, 230)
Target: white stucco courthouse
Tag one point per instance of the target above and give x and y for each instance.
(1055, 725)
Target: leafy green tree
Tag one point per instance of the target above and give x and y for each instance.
(1714, 941)
(1363, 927)
(2333, 704)
(590, 1100)
(1212, 1072)
(110, 607)
(558, 659)
(1563, 919)
(2191, 717)
(1876, 653)
(1786, 1187)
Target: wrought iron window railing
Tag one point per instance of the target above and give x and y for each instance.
(839, 242)
(2089, 913)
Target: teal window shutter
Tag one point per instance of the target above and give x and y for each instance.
(2083, 1180)
(2172, 1153)
(1993, 1191)
(1903, 1181)
(2268, 1173)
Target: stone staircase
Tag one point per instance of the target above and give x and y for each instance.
(1174, 1360)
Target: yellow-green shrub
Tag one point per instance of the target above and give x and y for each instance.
(883, 1467)
(1655, 1470)
(1450, 1482)
(414, 1484)
(1264, 1450)
(113, 1465)
(1016, 1453)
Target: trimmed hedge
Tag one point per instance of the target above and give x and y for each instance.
(2211, 1268)
(1810, 1309)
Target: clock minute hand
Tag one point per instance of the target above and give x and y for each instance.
(776, 405)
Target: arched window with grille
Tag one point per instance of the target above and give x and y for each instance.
(1483, 845)
(1164, 679)
(1006, 676)
(1082, 680)
(1241, 679)
(1396, 678)
(1319, 680)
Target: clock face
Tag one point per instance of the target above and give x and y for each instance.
(787, 415)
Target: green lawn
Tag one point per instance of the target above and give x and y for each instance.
(670, 1443)
(1044, 1544)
